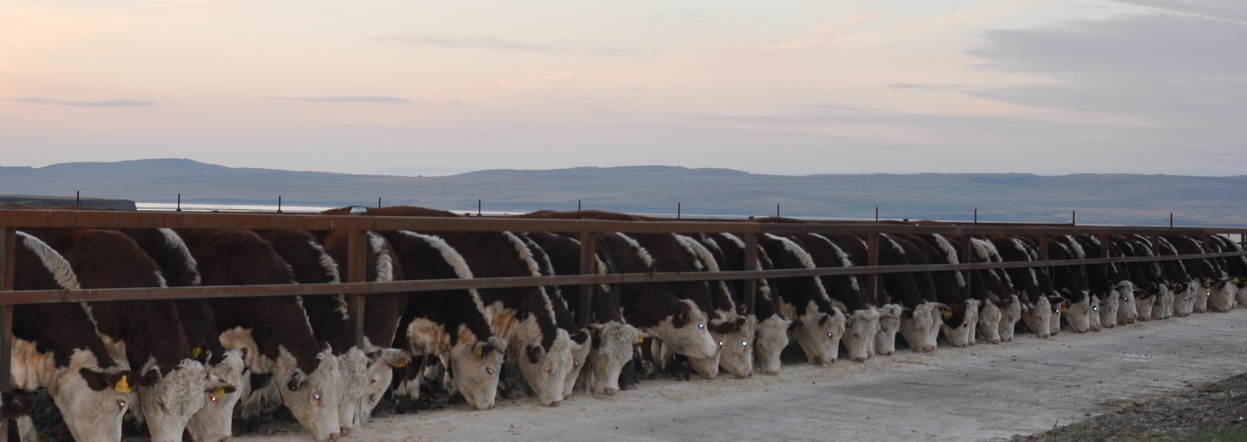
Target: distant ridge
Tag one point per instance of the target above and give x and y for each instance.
(1010, 197)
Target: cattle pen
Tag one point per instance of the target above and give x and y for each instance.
(357, 226)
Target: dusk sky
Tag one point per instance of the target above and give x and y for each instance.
(779, 87)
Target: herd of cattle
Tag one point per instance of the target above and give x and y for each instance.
(182, 366)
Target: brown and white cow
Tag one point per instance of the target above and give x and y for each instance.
(862, 320)
(214, 421)
(58, 347)
(818, 324)
(275, 330)
(171, 385)
(1036, 310)
(1000, 295)
(562, 316)
(771, 336)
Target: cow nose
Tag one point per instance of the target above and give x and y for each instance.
(224, 439)
(345, 431)
(995, 341)
(772, 372)
(333, 437)
(555, 403)
(610, 391)
(859, 359)
(927, 348)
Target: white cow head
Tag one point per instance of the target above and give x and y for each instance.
(580, 352)
(819, 335)
(381, 365)
(989, 322)
(961, 334)
(611, 350)
(1093, 317)
(1078, 315)
(889, 325)
(736, 339)
(972, 317)
(1176, 300)
(1240, 295)
(1038, 317)
(859, 333)
(1221, 297)
(168, 401)
(311, 397)
(1144, 303)
(92, 401)
(686, 333)
(214, 420)
(474, 368)
(1010, 314)
(1109, 305)
(917, 325)
(545, 369)
(771, 341)
(1059, 307)
(353, 364)
(1128, 305)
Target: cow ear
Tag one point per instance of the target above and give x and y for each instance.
(150, 378)
(96, 380)
(741, 321)
(823, 322)
(581, 337)
(216, 386)
(724, 328)
(296, 380)
(534, 353)
(683, 317)
(395, 358)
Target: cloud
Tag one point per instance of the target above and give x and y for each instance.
(95, 103)
(925, 87)
(392, 101)
(1234, 10)
(552, 47)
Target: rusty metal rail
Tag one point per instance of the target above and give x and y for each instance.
(357, 225)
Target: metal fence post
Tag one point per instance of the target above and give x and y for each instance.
(588, 266)
(357, 265)
(8, 257)
(872, 259)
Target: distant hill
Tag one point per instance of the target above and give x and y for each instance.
(1097, 198)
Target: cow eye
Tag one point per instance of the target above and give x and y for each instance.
(831, 335)
(121, 405)
(1096, 308)
(575, 364)
(701, 326)
(720, 344)
(213, 398)
(883, 327)
(744, 343)
(489, 370)
(316, 397)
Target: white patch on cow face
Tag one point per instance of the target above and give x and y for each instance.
(705, 368)
(961, 335)
(1009, 318)
(1221, 298)
(989, 322)
(1171, 301)
(312, 398)
(544, 369)
(1093, 316)
(168, 405)
(90, 415)
(1108, 309)
(859, 334)
(819, 334)
(1145, 307)
(889, 325)
(475, 368)
(1078, 315)
(615, 340)
(380, 372)
(693, 340)
(580, 352)
(214, 420)
(771, 340)
(353, 364)
(1038, 317)
(916, 328)
(1128, 305)
(736, 349)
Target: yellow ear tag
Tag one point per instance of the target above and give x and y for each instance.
(948, 314)
(1026, 314)
(401, 363)
(480, 352)
(196, 352)
(218, 392)
(122, 386)
(640, 340)
(1064, 309)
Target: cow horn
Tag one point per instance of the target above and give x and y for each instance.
(499, 344)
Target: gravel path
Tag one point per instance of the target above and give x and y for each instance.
(983, 392)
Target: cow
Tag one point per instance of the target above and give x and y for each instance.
(214, 421)
(914, 291)
(1179, 295)
(275, 330)
(772, 329)
(612, 337)
(171, 384)
(58, 347)
(1145, 277)
(1070, 284)
(382, 314)
(1000, 294)
(862, 319)
(733, 331)
(817, 323)
(1101, 280)
(328, 315)
(562, 317)
(1236, 269)
(524, 315)
(450, 325)
(961, 320)
(1036, 310)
